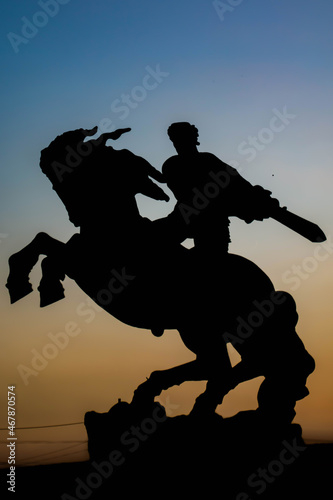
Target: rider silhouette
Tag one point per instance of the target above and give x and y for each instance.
(209, 191)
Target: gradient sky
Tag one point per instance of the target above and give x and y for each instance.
(228, 74)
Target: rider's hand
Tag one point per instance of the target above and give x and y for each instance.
(264, 205)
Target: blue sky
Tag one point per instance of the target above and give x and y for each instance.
(226, 76)
(229, 77)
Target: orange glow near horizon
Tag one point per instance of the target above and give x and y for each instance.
(105, 360)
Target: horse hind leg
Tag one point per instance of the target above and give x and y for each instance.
(164, 379)
(18, 283)
(22, 262)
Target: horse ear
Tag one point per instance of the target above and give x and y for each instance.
(117, 133)
(89, 132)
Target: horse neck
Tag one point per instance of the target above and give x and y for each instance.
(119, 216)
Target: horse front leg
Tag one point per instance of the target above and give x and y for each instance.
(216, 363)
(22, 262)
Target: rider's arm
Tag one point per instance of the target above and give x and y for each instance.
(243, 199)
(254, 203)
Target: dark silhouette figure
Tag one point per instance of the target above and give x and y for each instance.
(209, 191)
(137, 270)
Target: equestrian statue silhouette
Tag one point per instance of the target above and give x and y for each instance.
(138, 271)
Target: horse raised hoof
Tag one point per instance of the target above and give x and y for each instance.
(18, 288)
(18, 283)
(50, 292)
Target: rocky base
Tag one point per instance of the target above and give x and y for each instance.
(142, 451)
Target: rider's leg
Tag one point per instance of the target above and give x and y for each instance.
(21, 263)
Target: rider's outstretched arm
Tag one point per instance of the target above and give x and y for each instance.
(243, 199)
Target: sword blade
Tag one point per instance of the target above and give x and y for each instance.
(301, 226)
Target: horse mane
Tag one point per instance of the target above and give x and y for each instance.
(56, 152)
(55, 164)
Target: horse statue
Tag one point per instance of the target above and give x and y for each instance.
(137, 270)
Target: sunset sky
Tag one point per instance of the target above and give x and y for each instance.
(256, 79)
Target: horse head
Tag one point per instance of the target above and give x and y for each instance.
(92, 179)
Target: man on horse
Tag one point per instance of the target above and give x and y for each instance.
(99, 194)
(209, 191)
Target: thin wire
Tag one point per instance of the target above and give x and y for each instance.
(33, 464)
(42, 426)
(46, 455)
(41, 441)
(37, 459)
